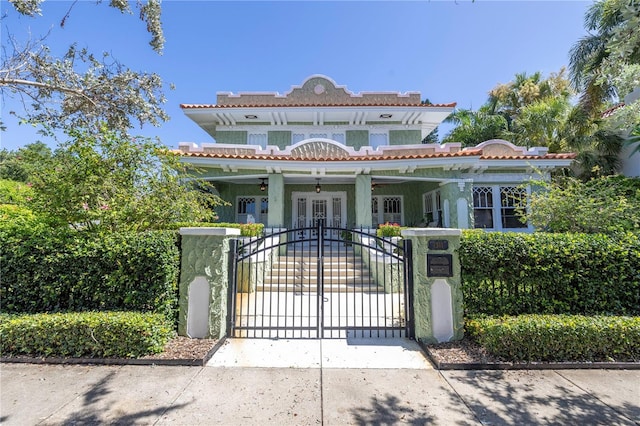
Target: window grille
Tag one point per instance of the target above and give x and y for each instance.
(483, 206)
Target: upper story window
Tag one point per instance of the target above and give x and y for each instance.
(378, 139)
(259, 139)
(300, 136)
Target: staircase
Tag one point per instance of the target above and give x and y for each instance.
(343, 272)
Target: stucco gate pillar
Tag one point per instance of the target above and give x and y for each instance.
(437, 292)
(204, 281)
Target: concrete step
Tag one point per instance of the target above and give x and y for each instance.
(348, 286)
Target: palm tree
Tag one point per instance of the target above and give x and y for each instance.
(598, 147)
(589, 53)
(474, 127)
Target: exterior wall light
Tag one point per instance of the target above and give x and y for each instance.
(318, 187)
(263, 186)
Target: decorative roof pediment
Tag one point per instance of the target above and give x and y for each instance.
(319, 90)
(505, 149)
(318, 149)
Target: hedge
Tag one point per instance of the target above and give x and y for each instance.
(61, 270)
(87, 334)
(558, 337)
(541, 273)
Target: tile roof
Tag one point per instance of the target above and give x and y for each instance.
(465, 153)
(610, 111)
(204, 106)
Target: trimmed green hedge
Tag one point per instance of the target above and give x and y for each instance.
(61, 270)
(86, 334)
(540, 273)
(558, 337)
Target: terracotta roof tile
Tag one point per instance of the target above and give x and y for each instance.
(204, 106)
(611, 110)
(559, 156)
(466, 153)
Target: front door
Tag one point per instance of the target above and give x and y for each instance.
(311, 209)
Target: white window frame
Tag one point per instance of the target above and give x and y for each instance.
(375, 132)
(432, 204)
(258, 216)
(263, 139)
(497, 208)
(380, 219)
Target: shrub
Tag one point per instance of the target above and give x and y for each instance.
(515, 273)
(607, 204)
(59, 270)
(87, 334)
(389, 230)
(558, 337)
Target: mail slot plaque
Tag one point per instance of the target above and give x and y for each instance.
(439, 265)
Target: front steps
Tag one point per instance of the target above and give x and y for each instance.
(343, 272)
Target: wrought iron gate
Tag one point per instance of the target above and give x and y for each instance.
(320, 282)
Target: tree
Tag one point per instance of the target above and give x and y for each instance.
(431, 137)
(527, 111)
(613, 43)
(81, 89)
(608, 204)
(109, 181)
(598, 147)
(474, 127)
(21, 164)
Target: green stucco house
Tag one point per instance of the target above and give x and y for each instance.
(322, 153)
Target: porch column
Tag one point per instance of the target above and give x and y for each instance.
(457, 199)
(363, 201)
(275, 217)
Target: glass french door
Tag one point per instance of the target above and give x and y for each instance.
(312, 209)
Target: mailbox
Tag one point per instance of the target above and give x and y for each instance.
(439, 265)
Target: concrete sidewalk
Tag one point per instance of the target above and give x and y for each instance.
(244, 395)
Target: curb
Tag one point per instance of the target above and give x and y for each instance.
(198, 362)
(529, 365)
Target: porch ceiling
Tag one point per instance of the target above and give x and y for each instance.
(290, 179)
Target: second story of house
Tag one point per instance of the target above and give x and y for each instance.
(318, 109)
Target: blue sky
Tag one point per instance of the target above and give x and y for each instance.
(449, 51)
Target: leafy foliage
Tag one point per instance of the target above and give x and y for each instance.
(389, 230)
(558, 337)
(607, 204)
(514, 273)
(87, 334)
(108, 181)
(81, 89)
(474, 127)
(612, 45)
(59, 269)
(21, 164)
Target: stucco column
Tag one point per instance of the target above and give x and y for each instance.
(204, 281)
(437, 293)
(363, 201)
(275, 217)
(458, 197)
